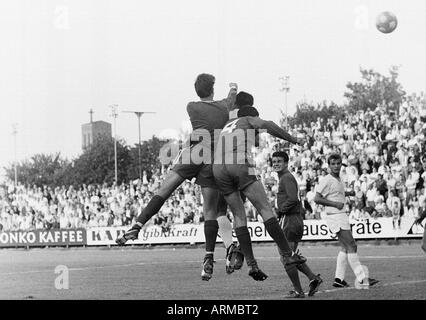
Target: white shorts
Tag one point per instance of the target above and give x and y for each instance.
(337, 221)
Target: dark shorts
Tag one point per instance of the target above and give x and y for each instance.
(233, 177)
(292, 226)
(205, 178)
(202, 172)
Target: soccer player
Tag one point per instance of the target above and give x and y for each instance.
(234, 172)
(331, 194)
(209, 115)
(235, 257)
(291, 221)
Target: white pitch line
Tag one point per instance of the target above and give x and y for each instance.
(362, 257)
(191, 261)
(379, 285)
(79, 269)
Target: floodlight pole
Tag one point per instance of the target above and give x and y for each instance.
(139, 115)
(15, 132)
(286, 88)
(114, 114)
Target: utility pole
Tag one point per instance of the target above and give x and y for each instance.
(139, 115)
(286, 88)
(114, 114)
(14, 133)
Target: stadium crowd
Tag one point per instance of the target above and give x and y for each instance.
(384, 163)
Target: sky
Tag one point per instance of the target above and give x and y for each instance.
(59, 59)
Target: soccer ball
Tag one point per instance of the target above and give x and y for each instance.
(386, 22)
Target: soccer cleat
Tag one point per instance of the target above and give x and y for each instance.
(131, 234)
(239, 258)
(314, 285)
(295, 259)
(207, 272)
(340, 283)
(294, 294)
(230, 259)
(256, 273)
(364, 285)
(372, 282)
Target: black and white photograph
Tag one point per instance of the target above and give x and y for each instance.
(213, 159)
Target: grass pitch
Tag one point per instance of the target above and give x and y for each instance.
(173, 273)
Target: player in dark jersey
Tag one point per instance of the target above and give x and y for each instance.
(206, 115)
(234, 172)
(291, 221)
(234, 255)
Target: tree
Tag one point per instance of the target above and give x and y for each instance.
(97, 163)
(307, 113)
(40, 169)
(150, 161)
(374, 90)
(94, 166)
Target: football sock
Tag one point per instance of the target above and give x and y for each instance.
(225, 230)
(152, 208)
(244, 239)
(342, 262)
(304, 268)
(293, 274)
(210, 232)
(356, 266)
(273, 228)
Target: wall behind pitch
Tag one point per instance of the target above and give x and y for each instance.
(380, 228)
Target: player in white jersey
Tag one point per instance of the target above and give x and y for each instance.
(330, 193)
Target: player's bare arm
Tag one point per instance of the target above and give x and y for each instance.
(275, 130)
(233, 88)
(319, 199)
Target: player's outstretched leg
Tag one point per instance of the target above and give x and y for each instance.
(211, 227)
(172, 181)
(150, 210)
(244, 239)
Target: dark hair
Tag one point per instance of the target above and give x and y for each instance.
(334, 156)
(204, 85)
(281, 154)
(248, 111)
(244, 99)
